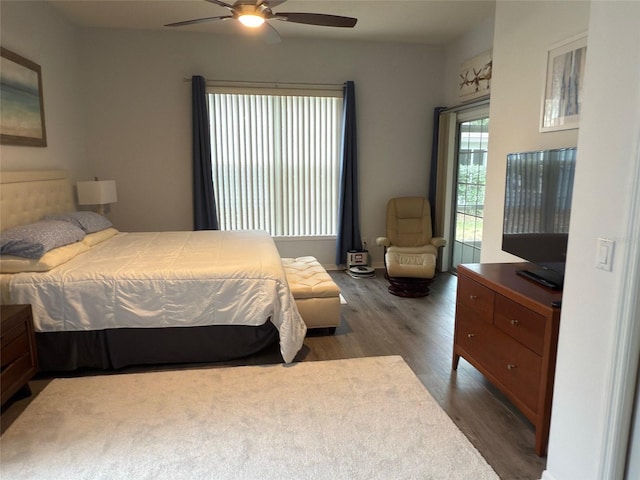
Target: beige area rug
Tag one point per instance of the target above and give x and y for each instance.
(367, 418)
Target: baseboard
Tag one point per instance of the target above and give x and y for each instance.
(547, 476)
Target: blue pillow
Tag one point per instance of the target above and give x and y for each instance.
(88, 221)
(36, 239)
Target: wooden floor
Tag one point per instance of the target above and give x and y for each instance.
(421, 331)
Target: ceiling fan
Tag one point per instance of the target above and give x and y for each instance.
(255, 13)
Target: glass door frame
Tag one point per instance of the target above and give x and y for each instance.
(445, 181)
(467, 116)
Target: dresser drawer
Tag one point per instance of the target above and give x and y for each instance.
(518, 368)
(519, 322)
(514, 365)
(473, 335)
(477, 297)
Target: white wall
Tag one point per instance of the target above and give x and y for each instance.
(524, 31)
(139, 116)
(39, 33)
(592, 328)
(471, 44)
(633, 457)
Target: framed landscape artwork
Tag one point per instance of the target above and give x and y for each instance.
(562, 99)
(21, 102)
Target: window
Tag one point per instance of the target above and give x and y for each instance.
(276, 160)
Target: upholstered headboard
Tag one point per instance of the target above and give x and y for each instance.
(26, 196)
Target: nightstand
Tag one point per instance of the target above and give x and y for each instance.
(19, 360)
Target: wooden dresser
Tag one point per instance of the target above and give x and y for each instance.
(17, 350)
(507, 328)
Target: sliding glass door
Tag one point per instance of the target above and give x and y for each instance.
(471, 168)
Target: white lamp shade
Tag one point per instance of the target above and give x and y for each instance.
(99, 192)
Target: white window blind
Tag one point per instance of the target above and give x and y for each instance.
(276, 162)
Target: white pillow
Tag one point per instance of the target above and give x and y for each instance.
(95, 238)
(51, 259)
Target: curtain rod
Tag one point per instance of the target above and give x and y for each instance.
(467, 106)
(302, 86)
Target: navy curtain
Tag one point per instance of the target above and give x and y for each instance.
(205, 215)
(433, 172)
(348, 214)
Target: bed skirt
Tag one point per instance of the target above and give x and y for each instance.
(123, 347)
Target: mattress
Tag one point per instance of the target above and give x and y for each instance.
(166, 279)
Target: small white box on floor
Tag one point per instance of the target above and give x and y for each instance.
(357, 258)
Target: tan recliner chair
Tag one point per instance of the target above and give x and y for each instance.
(410, 250)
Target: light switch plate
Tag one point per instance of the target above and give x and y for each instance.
(604, 254)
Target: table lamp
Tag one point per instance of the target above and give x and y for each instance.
(98, 193)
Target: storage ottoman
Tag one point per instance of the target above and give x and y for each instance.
(316, 294)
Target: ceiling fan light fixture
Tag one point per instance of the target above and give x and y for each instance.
(254, 14)
(251, 20)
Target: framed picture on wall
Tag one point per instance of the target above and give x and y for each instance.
(21, 102)
(475, 77)
(562, 101)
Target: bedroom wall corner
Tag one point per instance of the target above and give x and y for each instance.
(38, 32)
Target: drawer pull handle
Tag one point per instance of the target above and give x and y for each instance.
(473, 297)
(471, 335)
(511, 366)
(515, 322)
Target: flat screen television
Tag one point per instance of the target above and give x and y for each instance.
(537, 210)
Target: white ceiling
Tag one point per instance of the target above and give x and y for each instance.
(432, 22)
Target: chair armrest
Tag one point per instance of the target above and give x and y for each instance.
(438, 242)
(383, 242)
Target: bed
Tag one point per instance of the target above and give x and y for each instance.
(123, 299)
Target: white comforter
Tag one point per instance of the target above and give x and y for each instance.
(168, 279)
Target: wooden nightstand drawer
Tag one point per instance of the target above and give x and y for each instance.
(17, 347)
(18, 355)
(520, 323)
(14, 320)
(17, 373)
(476, 297)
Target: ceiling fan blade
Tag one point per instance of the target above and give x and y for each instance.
(317, 19)
(222, 4)
(271, 35)
(197, 20)
(270, 3)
